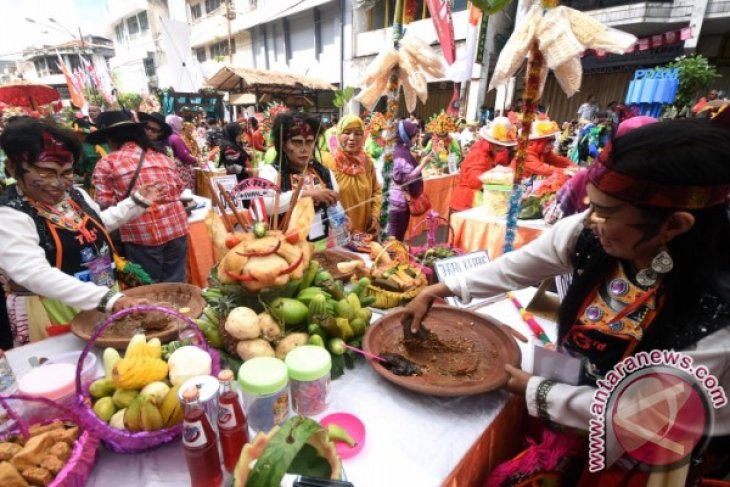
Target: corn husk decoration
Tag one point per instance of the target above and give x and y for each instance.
(562, 35)
(415, 60)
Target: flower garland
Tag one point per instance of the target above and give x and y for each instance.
(530, 97)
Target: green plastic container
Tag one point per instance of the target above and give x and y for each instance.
(309, 379)
(264, 382)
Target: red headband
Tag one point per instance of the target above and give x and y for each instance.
(300, 127)
(54, 151)
(651, 193)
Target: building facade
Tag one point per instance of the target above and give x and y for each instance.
(608, 77)
(44, 60)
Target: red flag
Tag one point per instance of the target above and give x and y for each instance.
(685, 33)
(643, 44)
(77, 96)
(657, 40)
(441, 14)
(671, 37)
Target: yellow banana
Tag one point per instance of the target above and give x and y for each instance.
(136, 372)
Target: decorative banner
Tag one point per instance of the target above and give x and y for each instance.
(657, 40)
(651, 89)
(460, 71)
(443, 22)
(253, 188)
(76, 93)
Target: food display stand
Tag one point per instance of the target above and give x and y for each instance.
(412, 439)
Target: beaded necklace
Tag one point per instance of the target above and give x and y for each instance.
(65, 214)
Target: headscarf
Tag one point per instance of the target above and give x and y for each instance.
(406, 130)
(175, 122)
(350, 163)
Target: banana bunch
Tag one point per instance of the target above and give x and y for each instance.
(345, 319)
(137, 372)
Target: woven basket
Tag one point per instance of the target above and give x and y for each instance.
(81, 462)
(390, 299)
(122, 441)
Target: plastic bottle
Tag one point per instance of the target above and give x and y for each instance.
(338, 234)
(200, 444)
(232, 425)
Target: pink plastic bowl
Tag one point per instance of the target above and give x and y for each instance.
(352, 425)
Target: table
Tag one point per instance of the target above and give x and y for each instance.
(475, 230)
(201, 256)
(438, 189)
(412, 439)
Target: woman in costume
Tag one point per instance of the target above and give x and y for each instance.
(231, 154)
(157, 131)
(407, 179)
(360, 192)
(442, 144)
(492, 149)
(184, 159)
(57, 253)
(295, 134)
(651, 271)
(540, 157)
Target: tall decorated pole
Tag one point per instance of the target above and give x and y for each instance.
(530, 97)
(391, 114)
(564, 34)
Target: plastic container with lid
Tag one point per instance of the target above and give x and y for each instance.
(309, 379)
(265, 386)
(54, 381)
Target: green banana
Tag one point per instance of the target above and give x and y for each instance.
(309, 274)
(367, 301)
(317, 309)
(359, 288)
(338, 433)
(212, 314)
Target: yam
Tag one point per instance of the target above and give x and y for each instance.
(289, 343)
(248, 349)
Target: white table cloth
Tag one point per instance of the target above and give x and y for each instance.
(411, 439)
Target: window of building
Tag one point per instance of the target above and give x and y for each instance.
(133, 26)
(220, 49)
(52, 65)
(119, 31)
(149, 64)
(40, 66)
(211, 5)
(196, 11)
(200, 54)
(381, 15)
(144, 24)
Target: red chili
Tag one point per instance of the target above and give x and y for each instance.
(265, 253)
(240, 277)
(291, 268)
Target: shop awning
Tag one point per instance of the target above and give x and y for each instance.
(242, 99)
(259, 81)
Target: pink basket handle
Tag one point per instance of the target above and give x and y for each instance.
(22, 424)
(200, 338)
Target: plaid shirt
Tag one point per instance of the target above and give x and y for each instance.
(160, 223)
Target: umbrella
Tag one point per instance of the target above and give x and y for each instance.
(28, 95)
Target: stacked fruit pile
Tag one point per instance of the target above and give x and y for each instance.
(313, 310)
(140, 391)
(441, 124)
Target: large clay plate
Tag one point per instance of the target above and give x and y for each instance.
(176, 295)
(328, 260)
(496, 348)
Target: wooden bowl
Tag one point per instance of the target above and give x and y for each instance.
(494, 347)
(174, 295)
(328, 260)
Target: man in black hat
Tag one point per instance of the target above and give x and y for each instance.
(157, 240)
